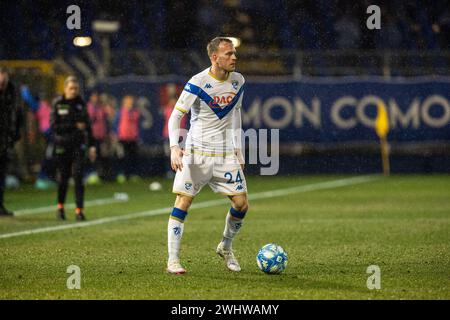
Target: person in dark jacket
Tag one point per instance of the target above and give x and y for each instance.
(10, 119)
(74, 143)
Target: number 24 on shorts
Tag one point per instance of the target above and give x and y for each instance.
(229, 176)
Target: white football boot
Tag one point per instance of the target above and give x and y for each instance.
(230, 259)
(174, 267)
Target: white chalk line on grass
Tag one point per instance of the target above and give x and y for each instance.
(90, 203)
(205, 204)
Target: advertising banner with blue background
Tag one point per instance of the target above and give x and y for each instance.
(315, 110)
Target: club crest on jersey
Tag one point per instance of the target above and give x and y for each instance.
(188, 186)
(222, 101)
(235, 84)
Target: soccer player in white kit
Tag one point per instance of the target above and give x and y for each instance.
(212, 153)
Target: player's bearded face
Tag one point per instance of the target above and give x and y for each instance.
(226, 57)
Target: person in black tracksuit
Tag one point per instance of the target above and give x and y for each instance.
(73, 140)
(10, 121)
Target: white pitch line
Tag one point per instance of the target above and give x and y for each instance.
(205, 204)
(90, 203)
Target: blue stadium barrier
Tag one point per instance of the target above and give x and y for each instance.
(329, 117)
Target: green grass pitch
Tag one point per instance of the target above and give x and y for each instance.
(332, 234)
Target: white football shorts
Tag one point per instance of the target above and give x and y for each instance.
(223, 174)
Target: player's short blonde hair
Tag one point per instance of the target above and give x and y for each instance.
(70, 79)
(213, 45)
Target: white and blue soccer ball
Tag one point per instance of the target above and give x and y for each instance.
(272, 259)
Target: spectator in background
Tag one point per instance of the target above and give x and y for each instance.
(348, 32)
(110, 105)
(10, 121)
(441, 26)
(391, 37)
(127, 131)
(100, 131)
(209, 19)
(42, 110)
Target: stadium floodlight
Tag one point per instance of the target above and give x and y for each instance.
(82, 41)
(236, 41)
(105, 26)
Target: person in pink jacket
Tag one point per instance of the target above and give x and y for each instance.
(127, 128)
(100, 131)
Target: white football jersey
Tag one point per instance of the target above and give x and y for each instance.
(212, 103)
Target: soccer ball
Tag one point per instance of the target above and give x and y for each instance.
(155, 186)
(272, 259)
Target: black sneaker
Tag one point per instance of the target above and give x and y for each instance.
(80, 216)
(61, 215)
(5, 212)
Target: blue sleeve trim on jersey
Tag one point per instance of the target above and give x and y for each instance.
(219, 111)
(237, 214)
(178, 213)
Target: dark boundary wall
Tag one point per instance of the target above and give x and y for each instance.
(324, 114)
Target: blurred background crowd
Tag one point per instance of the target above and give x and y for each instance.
(163, 39)
(328, 32)
(116, 128)
(159, 24)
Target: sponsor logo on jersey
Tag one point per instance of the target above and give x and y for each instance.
(208, 86)
(239, 187)
(222, 101)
